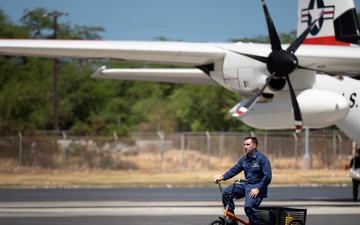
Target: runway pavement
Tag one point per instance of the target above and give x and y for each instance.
(162, 205)
(126, 208)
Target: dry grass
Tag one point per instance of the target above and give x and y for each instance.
(172, 160)
(107, 178)
(150, 169)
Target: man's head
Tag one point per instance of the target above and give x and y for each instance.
(250, 145)
(357, 152)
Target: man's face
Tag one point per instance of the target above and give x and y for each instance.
(249, 147)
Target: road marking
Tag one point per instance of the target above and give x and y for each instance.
(130, 208)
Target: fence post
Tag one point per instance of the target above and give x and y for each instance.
(20, 152)
(340, 143)
(306, 163)
(182, 137)
(64, 150)
(295, 147)
(353, 148)
(115, 148)
(221, 146)
(208, 146)
(252, 133)
(161, 136)
(334, 142)
(265, 142)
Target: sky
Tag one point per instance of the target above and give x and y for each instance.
(185, 20)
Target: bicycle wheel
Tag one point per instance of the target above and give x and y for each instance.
(216, 222)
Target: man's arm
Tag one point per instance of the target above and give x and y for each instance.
(266, 169)
(231, 173)
(235, 170)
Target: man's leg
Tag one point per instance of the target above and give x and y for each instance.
(239, 192)
(250, 206)
(355, 189)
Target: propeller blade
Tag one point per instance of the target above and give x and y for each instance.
(296, 108)
(252, 101)
(274, 38)
(256, 57)
(317, 71)
(295, 45)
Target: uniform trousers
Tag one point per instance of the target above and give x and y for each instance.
(242, 190)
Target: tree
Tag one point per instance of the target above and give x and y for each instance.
(42, 27)
(26, 95)
(285, 38)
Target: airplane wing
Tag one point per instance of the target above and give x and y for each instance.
(181, 76)
(334, 60)
(179, 53)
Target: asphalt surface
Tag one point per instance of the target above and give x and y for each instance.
(175, 206)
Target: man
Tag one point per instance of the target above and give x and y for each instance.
(355, 164)
(258, 174)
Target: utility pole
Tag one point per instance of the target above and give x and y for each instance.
(55, 15)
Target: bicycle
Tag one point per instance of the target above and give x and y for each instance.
(227, 215)
(267, 215)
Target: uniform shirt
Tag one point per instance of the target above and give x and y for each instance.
(257, 171)
(357, 162)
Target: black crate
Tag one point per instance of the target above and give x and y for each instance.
(281, 216)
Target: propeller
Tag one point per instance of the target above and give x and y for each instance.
(280, 63)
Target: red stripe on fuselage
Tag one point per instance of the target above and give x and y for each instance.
(329, 40)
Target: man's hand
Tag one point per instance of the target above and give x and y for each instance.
(218, 179)
(254, 192)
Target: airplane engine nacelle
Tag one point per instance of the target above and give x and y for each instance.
(244, 76)
(239, 73)
(322, 108)
(319, 108)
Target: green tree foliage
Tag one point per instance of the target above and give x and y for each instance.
(35, 21)
(26, 95)
(285, 38)
(201, 108)
(41, 23)
(9, 30)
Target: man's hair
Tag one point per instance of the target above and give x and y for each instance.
(358, 151)
(253, 140)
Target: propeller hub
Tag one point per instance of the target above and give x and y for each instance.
(282, 63)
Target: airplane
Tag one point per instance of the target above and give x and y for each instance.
(310, 83)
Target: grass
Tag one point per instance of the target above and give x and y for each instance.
(152, 171)
(108, 178)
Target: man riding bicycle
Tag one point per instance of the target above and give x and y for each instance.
(258, 174)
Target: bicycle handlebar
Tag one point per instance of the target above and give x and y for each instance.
(237, 181)
(242, 181)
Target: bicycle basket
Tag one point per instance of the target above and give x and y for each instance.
(281, 216)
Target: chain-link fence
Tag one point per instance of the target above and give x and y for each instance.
(169, 151)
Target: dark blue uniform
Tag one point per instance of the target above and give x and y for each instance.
(355, 164)
(258, 173)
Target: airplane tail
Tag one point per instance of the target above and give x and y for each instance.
(338, 25)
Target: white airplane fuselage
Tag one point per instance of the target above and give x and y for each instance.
(349, 89)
